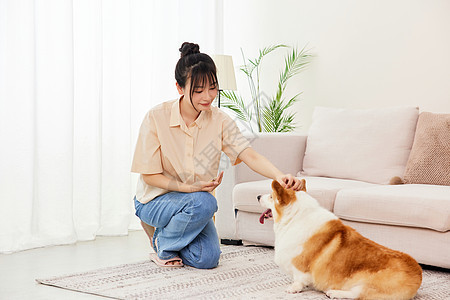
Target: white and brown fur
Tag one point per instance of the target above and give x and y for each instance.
(316, 248)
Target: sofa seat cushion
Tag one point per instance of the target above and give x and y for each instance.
(414, 205)
(322, 188)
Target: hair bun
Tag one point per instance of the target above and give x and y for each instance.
(189, 48)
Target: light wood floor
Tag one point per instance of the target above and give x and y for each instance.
(18, 271)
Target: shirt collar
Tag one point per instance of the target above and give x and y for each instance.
(201, 119)
(176, 119)
(175, 115)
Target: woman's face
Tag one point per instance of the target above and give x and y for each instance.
(202, 96)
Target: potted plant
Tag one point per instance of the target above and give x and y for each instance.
(269, 113)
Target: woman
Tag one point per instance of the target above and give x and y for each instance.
(178, 154)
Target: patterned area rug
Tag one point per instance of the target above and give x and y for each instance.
(243, 273)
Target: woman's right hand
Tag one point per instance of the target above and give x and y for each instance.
(207, 186)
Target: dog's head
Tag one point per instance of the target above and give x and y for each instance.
(277, 201)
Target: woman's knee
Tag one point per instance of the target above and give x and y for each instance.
(204, 204)
(208, 260)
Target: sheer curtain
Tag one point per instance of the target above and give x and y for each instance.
(76, 78)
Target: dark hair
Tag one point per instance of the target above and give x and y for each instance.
(199, 67)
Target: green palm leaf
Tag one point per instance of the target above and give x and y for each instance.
(235, 103)
(254, 64)
(268, 50)
(274, 116)
(295, 62)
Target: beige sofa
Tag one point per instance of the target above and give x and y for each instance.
(413, 218)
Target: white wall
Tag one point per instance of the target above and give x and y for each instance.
(368, 54)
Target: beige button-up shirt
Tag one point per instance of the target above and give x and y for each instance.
(168, 146)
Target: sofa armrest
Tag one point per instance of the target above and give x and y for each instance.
(284, 150)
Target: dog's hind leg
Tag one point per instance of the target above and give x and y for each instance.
(339, 294)
(301, 280)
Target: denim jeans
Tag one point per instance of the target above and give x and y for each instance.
(184, 227)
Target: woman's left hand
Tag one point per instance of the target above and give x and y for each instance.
(289, 182)
(207, 186)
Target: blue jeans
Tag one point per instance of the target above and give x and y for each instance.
(183, 227)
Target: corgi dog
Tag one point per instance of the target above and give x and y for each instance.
(315, 248)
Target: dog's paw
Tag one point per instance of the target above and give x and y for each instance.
(338, 294)
(296, 287)
(333, 294)
(330, 294)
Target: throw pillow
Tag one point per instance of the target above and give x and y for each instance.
(429, 161)
(371, 145)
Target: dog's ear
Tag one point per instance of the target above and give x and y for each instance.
(278, 189)
(283, 195)
(303, 185)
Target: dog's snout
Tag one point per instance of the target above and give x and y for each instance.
(259, 198)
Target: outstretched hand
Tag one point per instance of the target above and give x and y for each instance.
(207, 186)
(289, 182)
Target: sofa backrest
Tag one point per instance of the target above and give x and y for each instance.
(371, 145)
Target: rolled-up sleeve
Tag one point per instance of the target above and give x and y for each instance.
(147, 155)
(233, 142)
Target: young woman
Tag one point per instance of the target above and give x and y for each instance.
(178, 154)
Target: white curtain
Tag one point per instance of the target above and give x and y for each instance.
(76, 78)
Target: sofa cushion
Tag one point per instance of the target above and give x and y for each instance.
(429, 161)
(371, 145)
(424, 206)
(322, 188)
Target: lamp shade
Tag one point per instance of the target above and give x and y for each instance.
(225, 72)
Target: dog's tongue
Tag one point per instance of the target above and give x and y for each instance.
(265, 215)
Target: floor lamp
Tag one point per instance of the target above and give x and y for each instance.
(225, 73)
